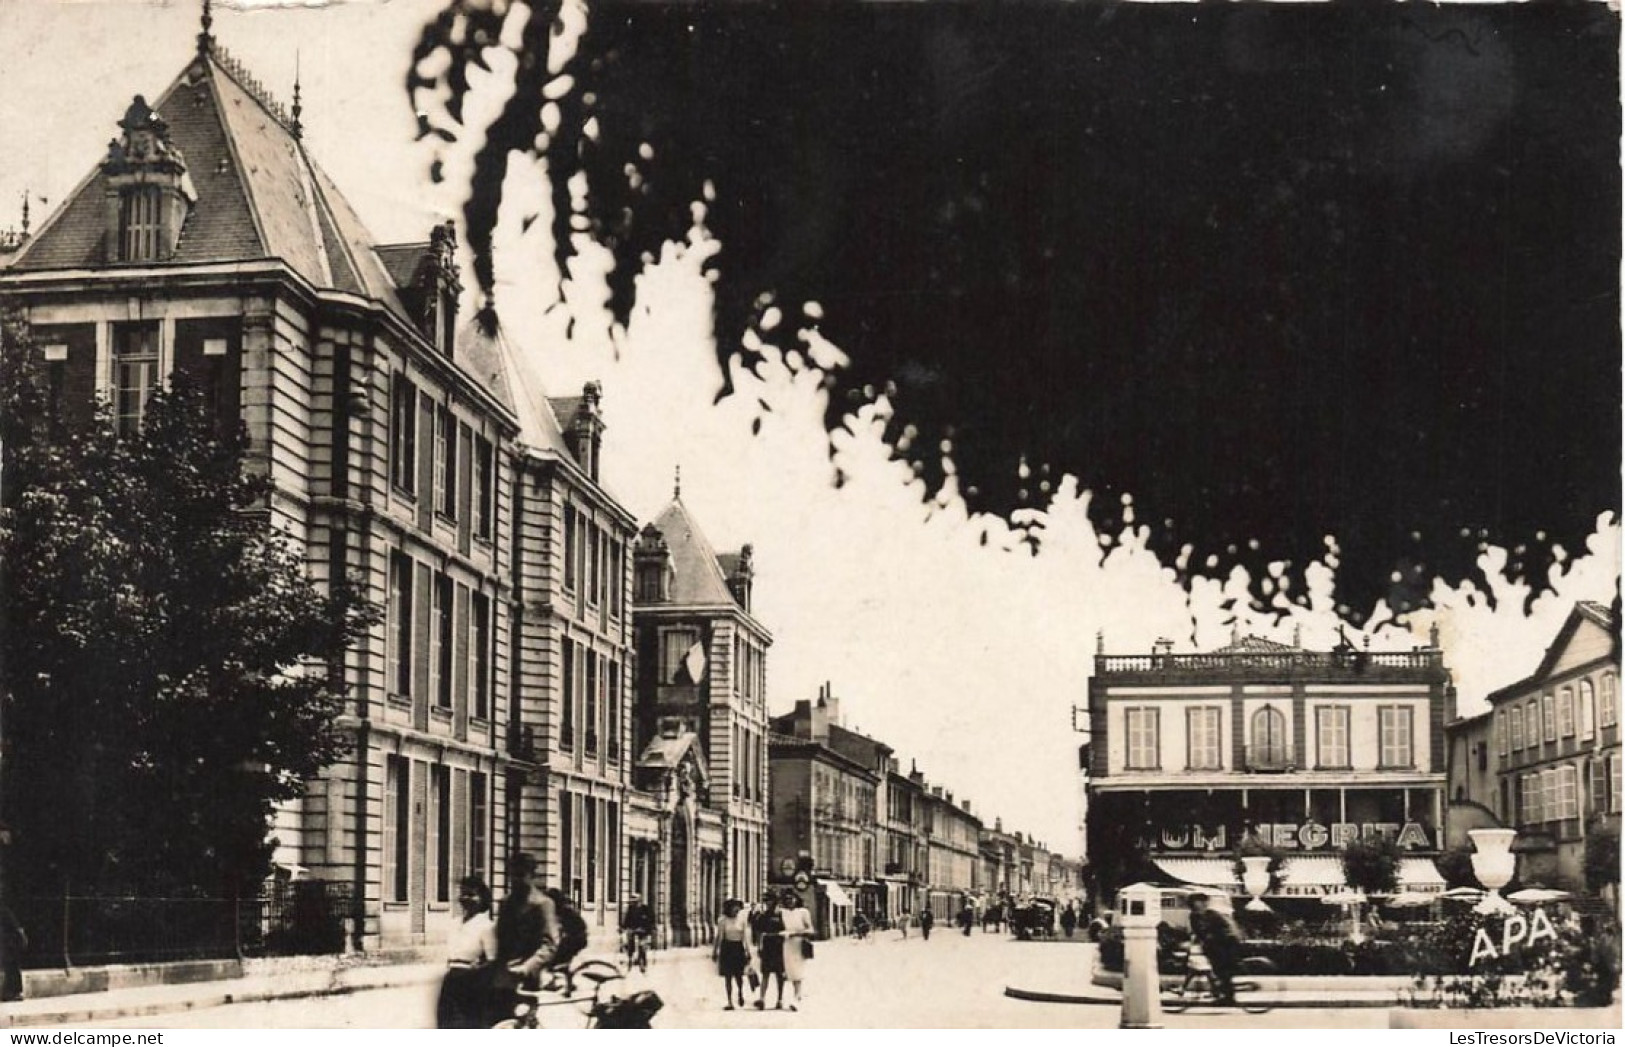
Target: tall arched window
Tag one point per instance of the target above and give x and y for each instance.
(1588, 710)
(1271, 747)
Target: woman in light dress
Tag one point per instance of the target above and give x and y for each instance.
(733, 951)
(798, 936)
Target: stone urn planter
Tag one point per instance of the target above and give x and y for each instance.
(1255, 880)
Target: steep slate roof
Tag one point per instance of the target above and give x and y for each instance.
(697, 578)
(538, 426)
(260, 195)
(403, 261)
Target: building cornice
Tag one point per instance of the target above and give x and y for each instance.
(151, 280)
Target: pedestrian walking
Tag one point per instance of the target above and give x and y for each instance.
(902, 924)
(465, 992)
(769, 933)
(927, 918)
(733, 951)
(14, 945)
(1069, 920)
(798, 942)
(967, 919)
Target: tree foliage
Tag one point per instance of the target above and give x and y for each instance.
(1601, 859)
(1372, 865)
(1043, 231)
(170, 669)
(1456, 866)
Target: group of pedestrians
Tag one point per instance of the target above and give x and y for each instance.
(536, 929)
(771, 942)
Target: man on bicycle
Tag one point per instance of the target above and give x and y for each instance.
(1220, 939)
(637, 927)
(528, 933)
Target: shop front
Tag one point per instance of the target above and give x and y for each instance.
(1191, 837)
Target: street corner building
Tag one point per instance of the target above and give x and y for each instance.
(1545, 760)
(698, 826)
(1305, 751)
(497, 707)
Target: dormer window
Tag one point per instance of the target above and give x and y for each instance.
(149, 193)
(140, 223)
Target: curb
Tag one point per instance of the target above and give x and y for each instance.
(1302, 1003)
(335, 986)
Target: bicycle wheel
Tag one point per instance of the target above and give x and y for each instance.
(1182, 997)
(1249, 994)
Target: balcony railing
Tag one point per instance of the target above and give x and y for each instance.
(1285, 663)
(1271, 758)
(521, 741)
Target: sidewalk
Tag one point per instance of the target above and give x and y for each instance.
(273, 979)
(276, 978)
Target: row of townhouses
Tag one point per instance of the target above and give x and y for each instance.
(1305, 751)
(549, 677)
(860, 835)
(1545, 758)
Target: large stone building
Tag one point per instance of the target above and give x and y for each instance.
(491, 710)
(1557, 751)
(1307, 750)
(701, 726)
(824, 812)
(903, 851)
(953, 852)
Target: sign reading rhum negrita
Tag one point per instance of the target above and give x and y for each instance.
(1291, 836)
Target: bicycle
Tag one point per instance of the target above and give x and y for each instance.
(1198, 987)
(561, 983)
(635, 949)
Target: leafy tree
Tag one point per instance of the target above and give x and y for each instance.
(171, 671)
(1372, 866)
(1456, 866)
(1601, 860)
(962, 188)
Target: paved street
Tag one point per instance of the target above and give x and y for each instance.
(948, 982)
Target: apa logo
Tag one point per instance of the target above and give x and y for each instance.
(1515, 931)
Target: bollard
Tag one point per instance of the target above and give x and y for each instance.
(1139, 910)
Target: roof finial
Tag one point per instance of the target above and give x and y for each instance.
(205, 39)
(677, 483)
(25, 224)
(297, 128)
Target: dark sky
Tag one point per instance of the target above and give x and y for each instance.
(1279, 271)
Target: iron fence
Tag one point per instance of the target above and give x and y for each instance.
(71, 930)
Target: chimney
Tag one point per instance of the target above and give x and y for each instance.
(820, 719)
(586, 435)
(651, 566)
(739, 583)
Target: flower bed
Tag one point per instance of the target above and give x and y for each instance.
(1573, 967)
(1318, 956)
